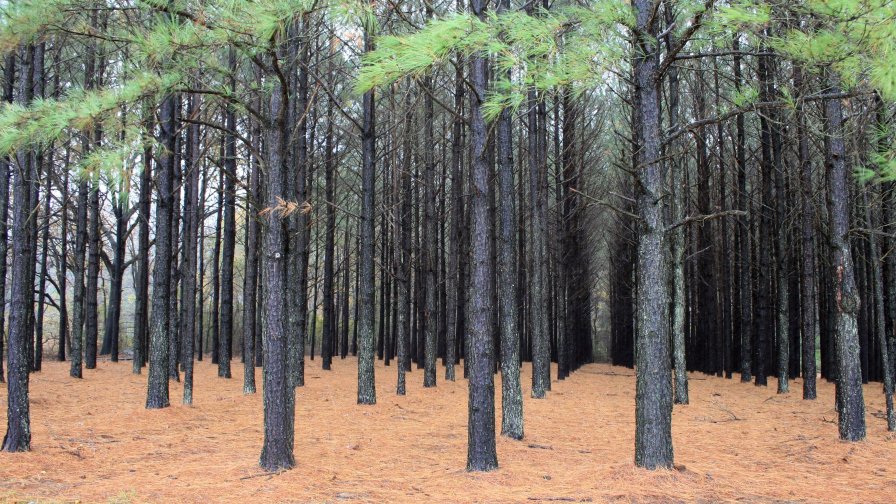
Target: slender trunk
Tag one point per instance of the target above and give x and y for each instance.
(428, 254)
(228, 246)
(809, 308)
(192, 216)
(250, 281)
(365, 322)
(679, 187)
(141, 311)
(745, 278)
(5, 166)
(511, 391)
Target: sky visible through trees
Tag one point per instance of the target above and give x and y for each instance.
(464, 188)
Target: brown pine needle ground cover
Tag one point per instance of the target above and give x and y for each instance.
(94, 442)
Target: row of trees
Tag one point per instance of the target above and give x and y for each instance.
(459, 202)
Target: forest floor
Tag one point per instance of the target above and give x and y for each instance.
(93, 441)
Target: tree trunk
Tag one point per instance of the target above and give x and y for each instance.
(653, 390)
(481, 452)
(365, 323)
(511, 391)
(18, 415)
(277, 452)
(850, 403)
(157, 393)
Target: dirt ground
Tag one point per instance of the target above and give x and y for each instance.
(93, 441)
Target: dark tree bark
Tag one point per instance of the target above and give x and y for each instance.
(809, 308)
(297, 248)
(225, 338)
(141, 310)
(365, 322)
(511, 391)
(850, 401)
(78, 317)
(111, 329)
(541, 347)
(18, 415)
(745, 278)
(216, 271)
(279, 396)
(453, 285)
(329, 322)
(428, 252)
(40, 164)
(174, 316)
(653, 396)
(679, 188)
(157, 393)
(402, 209)
(5, 166)
(192, 216)
(200, 283)
(481, 452)
(42, 277)
(765, 287)
(250, 281)
(61, 264)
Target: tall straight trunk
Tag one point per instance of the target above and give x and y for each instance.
(77, 354)
(174, 326)
(42, 276)
(279, 396)
(430, 237)
(91, 306)
(200, 283)
(77, 340)
(765, 289)
(745, 278)
(809, 302)
(850, 401)
(250, 280)
(402, 209)
(541, 351)
(453, 284)
(141, 310)
(329, 322)
(724, 251)
(35, 325)
(5, 166)
(216, 271)
(365, 322)
(781, 250)
(705, 273)
(481, 452)
(297, 248)
(61, 263)
(192, 216)
(18, 415)
(511, 391)
(228, 233)
(346, 270)
(157, 393)
(653, 389)
(679, 189)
